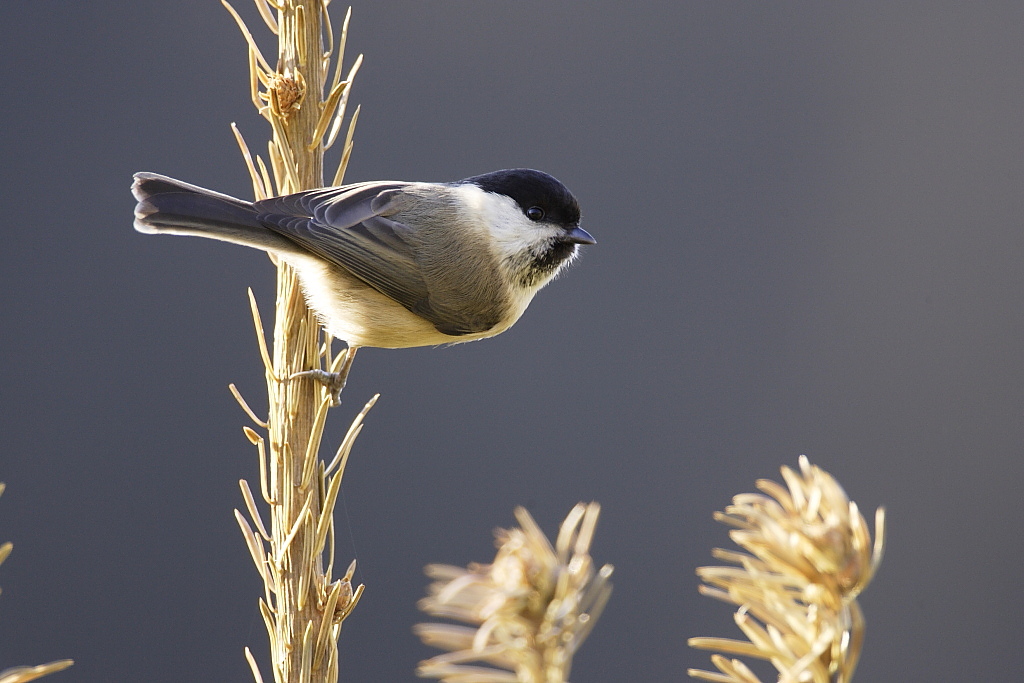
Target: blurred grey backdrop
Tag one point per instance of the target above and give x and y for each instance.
(809, 219)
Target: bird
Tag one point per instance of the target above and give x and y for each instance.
(395, 264)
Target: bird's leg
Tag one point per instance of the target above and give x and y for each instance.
(334, 381)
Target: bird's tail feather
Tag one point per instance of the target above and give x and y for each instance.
(172, 207)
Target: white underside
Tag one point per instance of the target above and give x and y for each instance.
(353, 311)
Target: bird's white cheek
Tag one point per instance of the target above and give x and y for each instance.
(515, 234)
(508, 231)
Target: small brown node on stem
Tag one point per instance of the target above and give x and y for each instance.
(345, 602)
(286, 90)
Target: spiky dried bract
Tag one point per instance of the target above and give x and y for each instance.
(23, 674)
(529, 610)
(809, 555)
(302, 606)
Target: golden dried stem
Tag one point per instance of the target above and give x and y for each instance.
(248, 36)
(23, 674)
(252, 665)
(250, 506)
(341, 457)
(340, 114)
(245, 406)
(339, 176)
(341, 47)
(330, 106)
(267, 14)
(258, 188)
(257, 320)
(303, 607)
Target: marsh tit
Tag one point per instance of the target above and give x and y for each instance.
(395, 264)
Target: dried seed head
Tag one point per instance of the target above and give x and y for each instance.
(286, 93)
(810, 555)
(529, 610)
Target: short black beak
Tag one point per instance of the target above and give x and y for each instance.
(580, 236)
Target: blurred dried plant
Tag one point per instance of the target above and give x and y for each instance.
(305, 105)
(530, 609)
(22, 674)
(809, 555)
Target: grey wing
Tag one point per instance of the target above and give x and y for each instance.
(349, 226)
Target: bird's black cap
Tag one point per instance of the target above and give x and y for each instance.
(529, 188)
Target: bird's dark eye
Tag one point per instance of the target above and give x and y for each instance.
(535, 213)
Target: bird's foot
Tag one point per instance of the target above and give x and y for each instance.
(333, 381)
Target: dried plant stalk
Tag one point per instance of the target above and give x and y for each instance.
(23, 674)
(529, 610)
(809, 555)
(302, 606)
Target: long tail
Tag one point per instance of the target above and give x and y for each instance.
(172, 207)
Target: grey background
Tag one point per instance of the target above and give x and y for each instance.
(809, 219)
